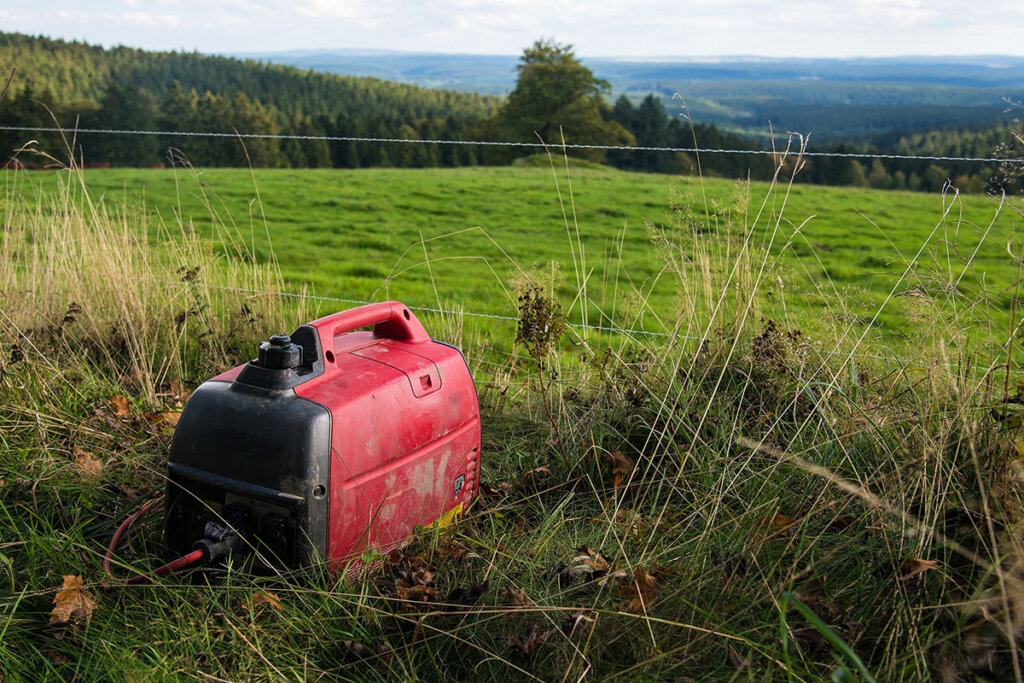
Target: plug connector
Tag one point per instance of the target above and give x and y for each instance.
(221, 536)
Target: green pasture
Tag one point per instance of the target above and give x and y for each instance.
(463, 237)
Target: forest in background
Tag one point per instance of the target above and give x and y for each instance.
(833, 100)
(89, 86)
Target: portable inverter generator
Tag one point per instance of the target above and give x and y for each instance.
(333, 442)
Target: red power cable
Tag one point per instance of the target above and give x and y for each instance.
(172, 566)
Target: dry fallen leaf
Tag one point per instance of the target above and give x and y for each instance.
(420, 576)
(261, 598)
(169, 418)
(529, 641)
(640, 590)
(515, 597)
(587, 562)
(488, 491)
(178, 391)
(780, 523)
(119, 404)
(915, 566)
(465, 596)
(87, 462)
(418, 594)
(450, 548)
(71, 602)
(537, 474)
(622, 467)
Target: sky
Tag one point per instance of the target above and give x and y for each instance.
(596, 28)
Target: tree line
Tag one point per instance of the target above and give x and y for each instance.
(556, 99)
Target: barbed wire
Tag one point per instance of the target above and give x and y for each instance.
(492, 143)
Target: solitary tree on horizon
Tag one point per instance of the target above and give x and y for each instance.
(556, 96)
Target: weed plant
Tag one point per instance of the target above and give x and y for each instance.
(761, 494)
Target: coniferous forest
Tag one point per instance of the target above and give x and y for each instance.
(83, 86)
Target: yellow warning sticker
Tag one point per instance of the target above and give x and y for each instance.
(448, 517)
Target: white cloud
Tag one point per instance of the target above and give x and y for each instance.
(595, 27)
(146, 19)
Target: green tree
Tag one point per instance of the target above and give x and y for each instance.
(555, 97)
(857, 176)
(125, 107)
(879, 177)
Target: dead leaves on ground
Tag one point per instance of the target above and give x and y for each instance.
(829, 517)
(177, 392)
(531, 639)
(622, 467)
(415, 586)
(116, 411)
(515, 597)
(408, 584)
(590, 565)
(640, 591)
(915, 566)
(261, 602)
(165, 419)
(355, 654)
(536, 477)
(72, 604)
(780, 524)
(120, 406)
(87, 462)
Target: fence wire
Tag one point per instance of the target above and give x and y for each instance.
(607, 329)
(509, 143)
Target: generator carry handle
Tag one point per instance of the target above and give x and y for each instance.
(391, 320)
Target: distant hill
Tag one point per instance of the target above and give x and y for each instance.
(835, 100)
(497, 73)
(72, 70)
(176, 91)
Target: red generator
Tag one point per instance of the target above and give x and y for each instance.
(332, 443)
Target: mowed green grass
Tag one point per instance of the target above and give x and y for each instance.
(459, 236)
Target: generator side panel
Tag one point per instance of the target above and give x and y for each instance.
(405, 443)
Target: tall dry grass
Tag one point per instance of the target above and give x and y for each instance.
(98, 284)
(783, 464)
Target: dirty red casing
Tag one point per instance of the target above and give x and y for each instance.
(405, 428)
(374, 434)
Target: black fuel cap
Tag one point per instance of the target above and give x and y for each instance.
(279, 353)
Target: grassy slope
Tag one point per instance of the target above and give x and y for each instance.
(754, 467)
(342, 233)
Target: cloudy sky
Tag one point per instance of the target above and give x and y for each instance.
(824, 28)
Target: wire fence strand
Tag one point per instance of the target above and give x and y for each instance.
(607, 329)
(509, 143)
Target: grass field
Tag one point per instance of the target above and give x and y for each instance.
(748, 502)
(459, 236)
